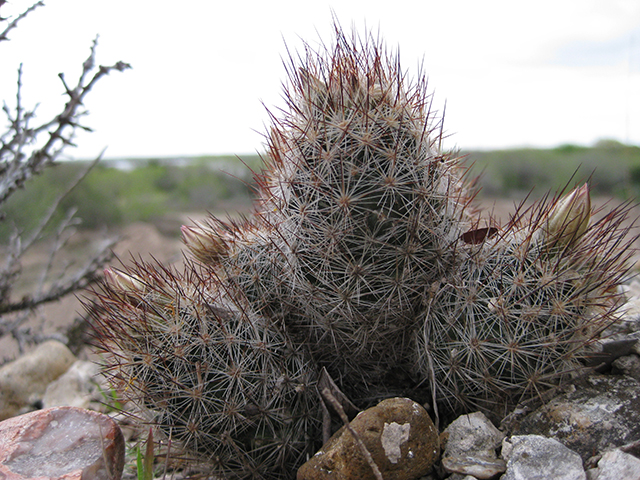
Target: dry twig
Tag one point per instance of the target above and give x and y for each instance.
(363, 448)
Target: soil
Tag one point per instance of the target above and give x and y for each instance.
(158, 242)
(141, 241)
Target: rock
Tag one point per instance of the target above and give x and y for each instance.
(24, 381)
(629, 365)
(602, 412)
(471, 447)
(77, 387)
(472, 433)
(398, 433)
(606, 352)
(627, 327)
(61, 442)
(534, 457)
(616, 465)
(632, 305)
(476, 466)
(459, 476)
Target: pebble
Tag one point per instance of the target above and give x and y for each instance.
(77, 387)
(534, 457)
(629, 365)
(471, 447)
(616, 465)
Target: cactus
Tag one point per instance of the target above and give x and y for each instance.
(356, 210)
(249, 255)
(524, 306)
(363, 256)
(225, 384)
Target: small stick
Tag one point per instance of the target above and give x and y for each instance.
(326, 423)
(363, 448)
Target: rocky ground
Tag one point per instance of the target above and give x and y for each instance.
(590, 430)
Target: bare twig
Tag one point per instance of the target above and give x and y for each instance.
(18, 171)
(46, 219)
(81, 279)
(325, 381)
(14, 23)
(19, 246)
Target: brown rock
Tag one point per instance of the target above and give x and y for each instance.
(61, 442)
(398, 433)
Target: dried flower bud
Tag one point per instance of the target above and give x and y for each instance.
(123, 281)
(569, 218)
(206, 244)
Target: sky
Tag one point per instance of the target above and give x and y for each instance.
(511, 73)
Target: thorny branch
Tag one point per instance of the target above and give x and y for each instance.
(25, 151)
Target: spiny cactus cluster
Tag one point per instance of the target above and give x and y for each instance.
(214, 376)
(364, 256)
(366, 207)
(355, 215)
(521, 309)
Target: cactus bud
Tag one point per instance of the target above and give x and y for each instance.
(569, 218)
(205, 244)
(124, 282)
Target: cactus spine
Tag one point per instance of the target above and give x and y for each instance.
(361, 206)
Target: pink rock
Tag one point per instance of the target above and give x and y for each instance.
(61, 443)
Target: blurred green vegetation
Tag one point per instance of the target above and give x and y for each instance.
(117, 192)
(610, 167)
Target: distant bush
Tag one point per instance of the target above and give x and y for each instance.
(611, 168)
(150, 190)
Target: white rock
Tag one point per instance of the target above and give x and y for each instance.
(471, 447)
(534, 457)
(24, 381)
(75, 388)
(473, 433)
(616, 465)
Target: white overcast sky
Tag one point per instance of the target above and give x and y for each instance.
(513, 73)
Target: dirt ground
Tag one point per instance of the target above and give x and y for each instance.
(144, 241)
(161, 242)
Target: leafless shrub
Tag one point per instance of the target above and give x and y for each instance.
(27, 148)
